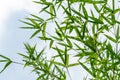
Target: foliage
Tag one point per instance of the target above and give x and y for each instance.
(87, 30)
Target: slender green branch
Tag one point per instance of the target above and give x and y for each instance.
(17, 63)
(68, 73)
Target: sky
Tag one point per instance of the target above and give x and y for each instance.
(12, 38)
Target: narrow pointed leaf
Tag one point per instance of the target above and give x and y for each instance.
(6, 65)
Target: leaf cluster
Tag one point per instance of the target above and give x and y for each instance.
(91, 35)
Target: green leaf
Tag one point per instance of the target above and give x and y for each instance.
(59, 28)
(5, 57)
(44, 8)
(89, 1)
(60, 71)
(63, 44)
(90, 45)
(66, 11)
(109, 9)
(61, 55)
(40, 54)
(111, 39)
(28, 23)
(44, 38)
(83, 30)
(77, 32)
(30, 51)
(110, 49)
(25, 56)
(6, 65)
(40, 19)
(3, 60)
(35, 33)
(44, 29)
(117, 33)
(88, 70)
(78, 47)
(52, 10)
(51, 14)
(85, 11)
(116, 10)
(106, 19)
(41, 76)
(74, 38)
(66, 56)
(78, 13)
(56, 38)
(96, 8)
(34, 23)
(69, 42)
(95, 20)
(57, 63)
(73, 65)
(51, 43)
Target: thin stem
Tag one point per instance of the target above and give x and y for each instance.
(69, 74)
(17, 63)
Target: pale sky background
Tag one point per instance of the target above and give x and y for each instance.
(12, 38)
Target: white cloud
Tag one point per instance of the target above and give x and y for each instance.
(9, 6)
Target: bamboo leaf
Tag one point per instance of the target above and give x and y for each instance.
(96, 8)
(106, 19)
(85, 12)
(6, 65)
(78, 13)
(60, 55)
(111, 39)
(66, 56)
(44, 38)
(57, 63)
(117, 33)
(95, 20)
(40, 54)
(40, 19)
(51, 43)
(59, 70)
(88, 70)
(3, 60)
(35, 33)
(59, 28)
(69, 42)
(5, 57)
(34, 22)
(83, 30)
(41, 76)
(44, 29)
(89, 1)
(25, 56)
(73, 65)
(28, 23)
(77, 32)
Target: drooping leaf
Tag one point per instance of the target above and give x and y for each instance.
(88, 70)
(35, 33)
(6, 65)
(69, 42)
(66, 56)
(110, 38)
(73, 65)
(60, 55)
(51, 43)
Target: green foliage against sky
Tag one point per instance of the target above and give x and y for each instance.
(85, 30)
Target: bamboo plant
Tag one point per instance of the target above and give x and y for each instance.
(85, 30)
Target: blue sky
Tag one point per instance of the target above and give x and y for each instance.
(12, 38)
